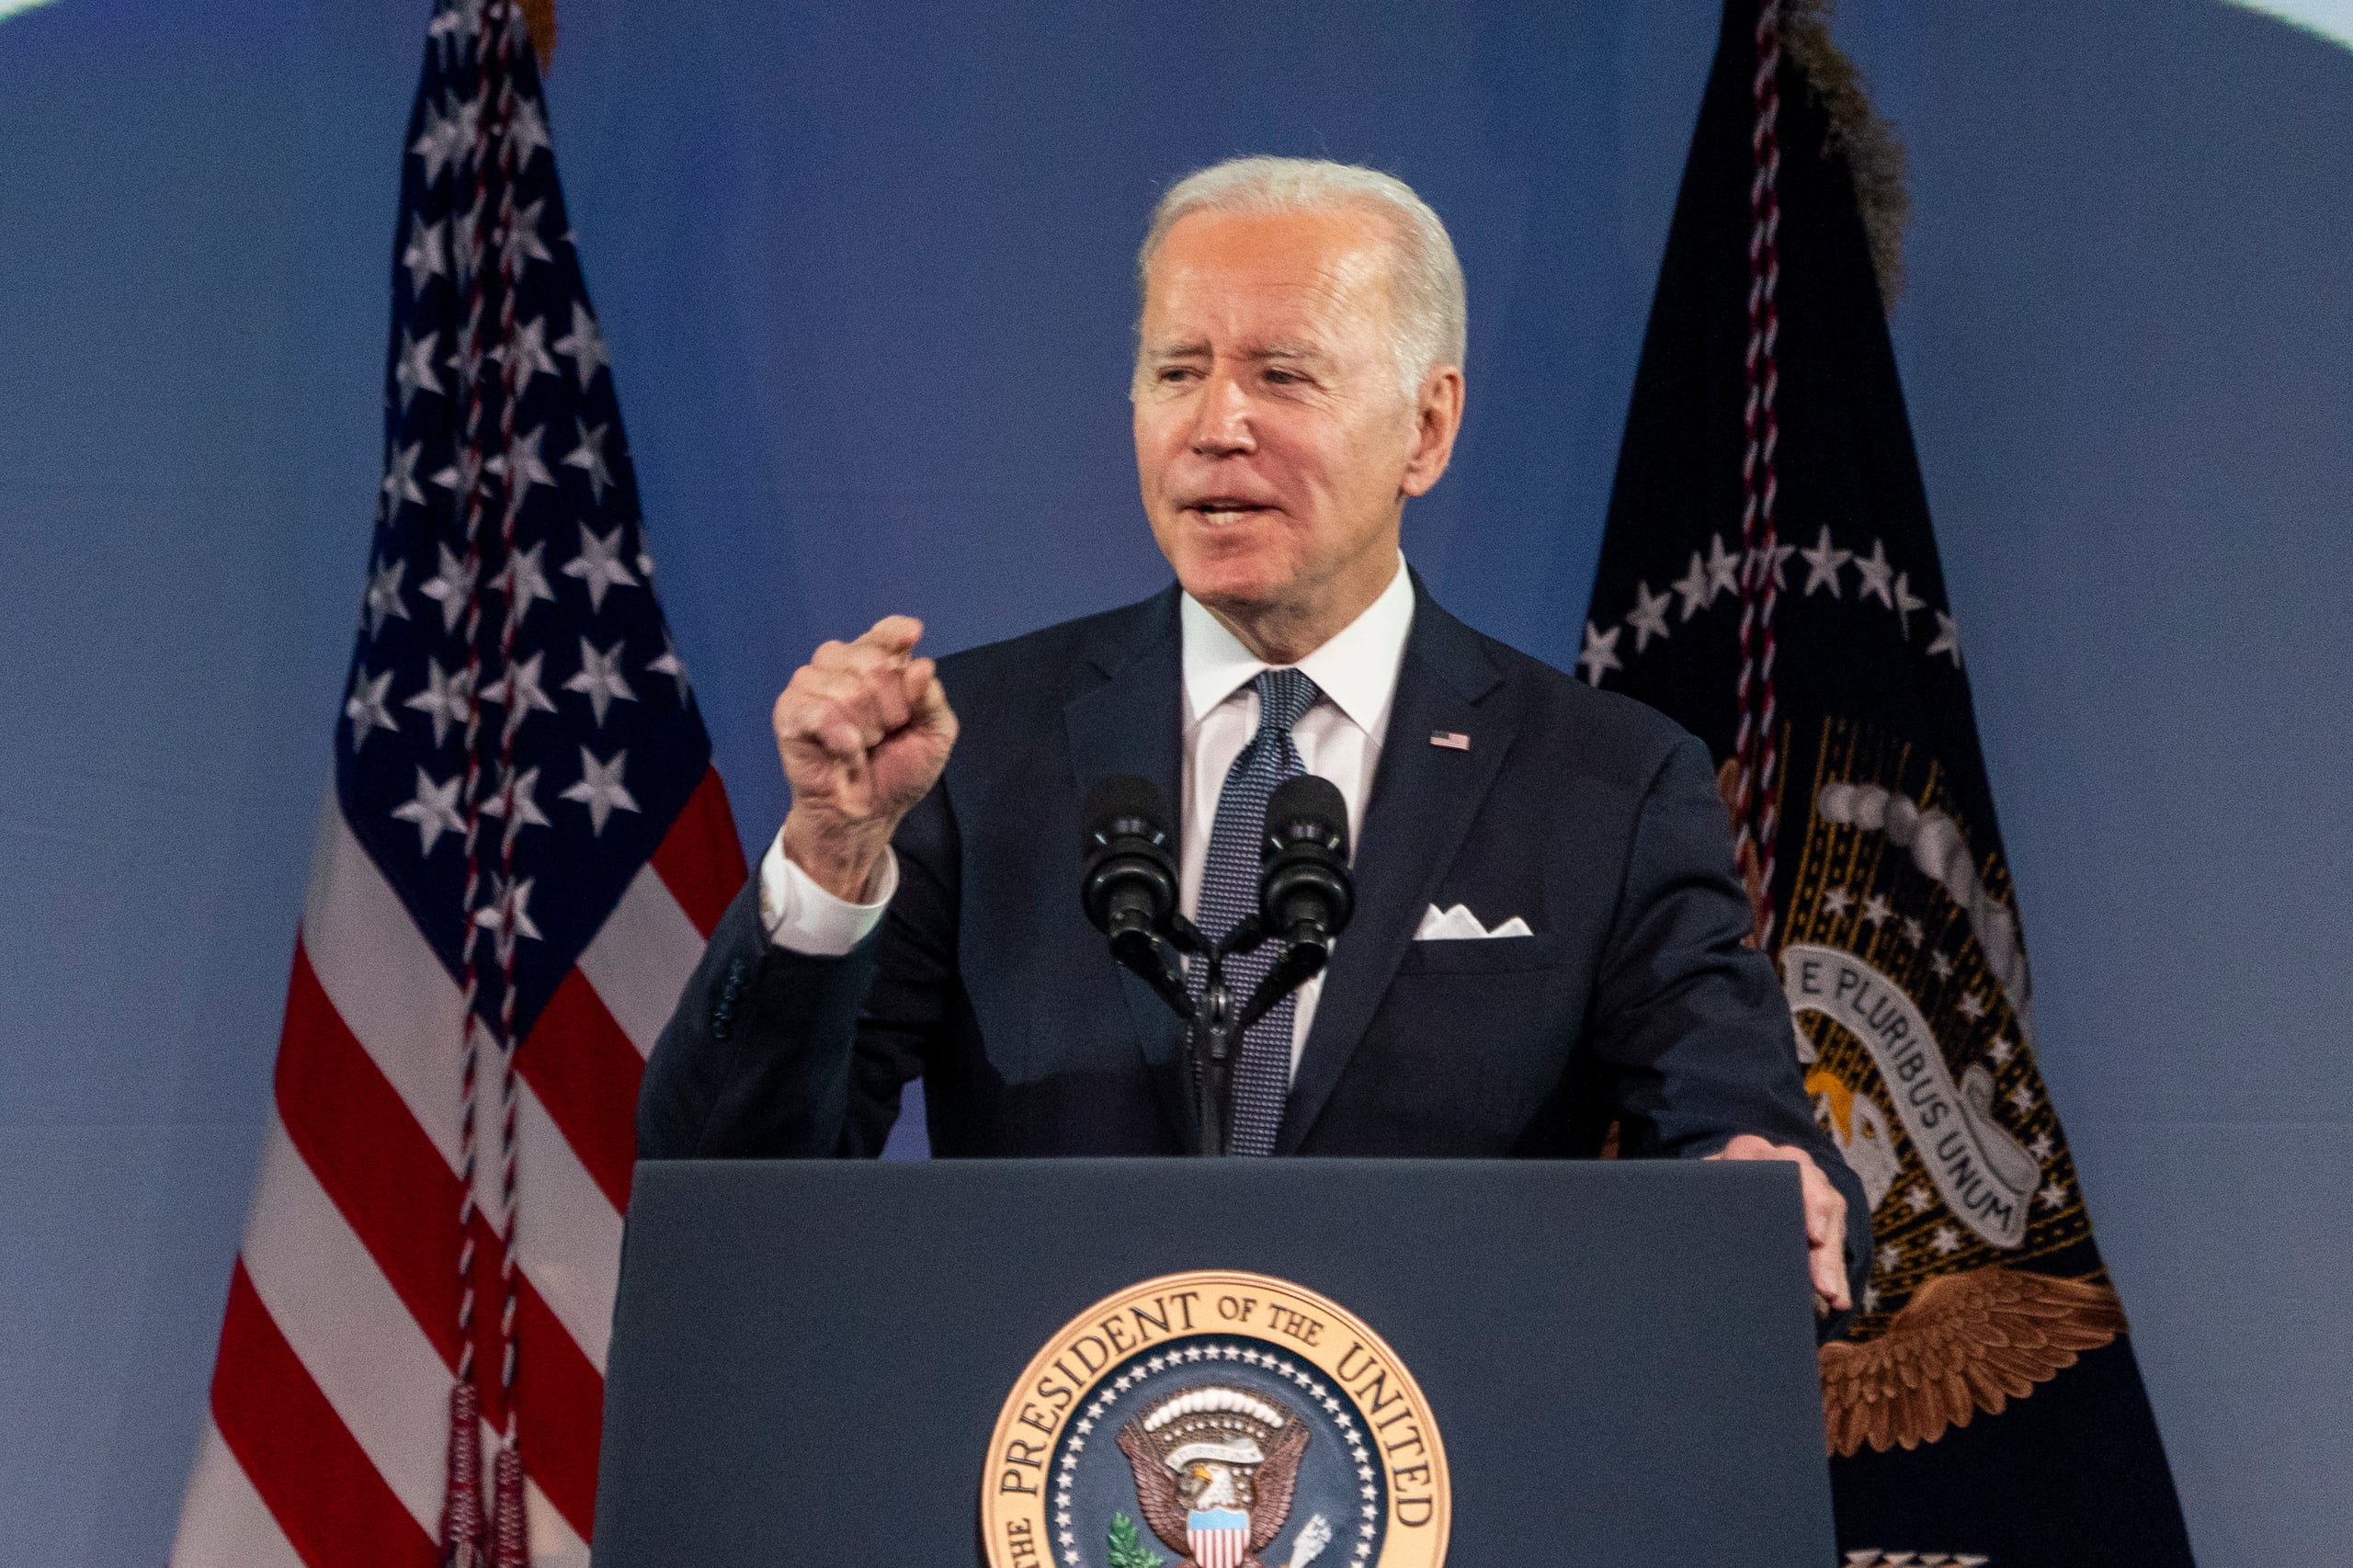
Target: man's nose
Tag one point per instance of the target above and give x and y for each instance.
(1221, 420)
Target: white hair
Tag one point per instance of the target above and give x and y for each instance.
(1424, 277)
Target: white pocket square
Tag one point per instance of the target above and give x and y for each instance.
(1458, 924)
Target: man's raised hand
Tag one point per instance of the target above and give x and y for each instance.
(864, 730)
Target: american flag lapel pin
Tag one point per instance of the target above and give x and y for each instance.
(1452, 740)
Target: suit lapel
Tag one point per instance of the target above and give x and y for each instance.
(1133, 722)
(1423, 799)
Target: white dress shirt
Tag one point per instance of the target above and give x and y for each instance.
(1339, 739)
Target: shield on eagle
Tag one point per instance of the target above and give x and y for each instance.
(1215, 1467)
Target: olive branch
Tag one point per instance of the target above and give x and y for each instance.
(1125, 1549)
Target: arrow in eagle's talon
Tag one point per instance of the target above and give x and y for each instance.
(1313, 1538)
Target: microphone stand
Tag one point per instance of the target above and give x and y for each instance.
(1214, 1026)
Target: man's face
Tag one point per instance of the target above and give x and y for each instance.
(1274, 446)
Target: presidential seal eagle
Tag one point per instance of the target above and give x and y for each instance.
(1215, 1467)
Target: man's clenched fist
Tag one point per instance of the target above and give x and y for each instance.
(864, 729)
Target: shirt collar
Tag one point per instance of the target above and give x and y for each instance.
(1356, 668)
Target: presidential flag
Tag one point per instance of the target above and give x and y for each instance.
(1768, 577)
(520, 855)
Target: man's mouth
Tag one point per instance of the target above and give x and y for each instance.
(1216, 510)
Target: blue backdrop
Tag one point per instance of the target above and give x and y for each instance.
(864, 270)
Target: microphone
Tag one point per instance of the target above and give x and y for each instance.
(1127, 879)
(1306, 894)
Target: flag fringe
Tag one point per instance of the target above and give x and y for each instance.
(1873, 150)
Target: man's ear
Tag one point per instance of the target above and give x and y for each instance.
(1438, 419)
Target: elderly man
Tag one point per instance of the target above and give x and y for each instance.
(1548, 934)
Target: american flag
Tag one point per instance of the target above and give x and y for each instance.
(522, 852)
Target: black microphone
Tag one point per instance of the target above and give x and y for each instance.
(1128, 881)
(1305, 895)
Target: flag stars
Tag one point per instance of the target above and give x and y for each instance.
(524, 581)
(524, 461)
(598, 566)
(1999, 1052)
(583, 346)
(522, 243)
(413, 373)
(1648, 618)
(1917, 1198)
(465, 232)
(427, 256)
(1600, 655)
(1906, 603)
(1877, 911)
(1889, 1256)
(1723, 569)
(2052, 1196)
(364, 706)
(522, 796)
(1946, 639)
(1822, 564)
(1876, 575)
(1837, 901)
(400, 478)
(451, 589)
(668, 663)
(1692, 587)
(1941, 965)
(527, 354)
(527, 131)
(1946, 1240)
(1914, 932)
(2022, 1098)
(599, 678)
(445, 697)
(2042, 1146)
(444, 139)
(1971, 1006)
(434, 810)
(383, 601)
(519, 693)
(1769, 566)
(589, 455)
(507, 915)
(601, 790)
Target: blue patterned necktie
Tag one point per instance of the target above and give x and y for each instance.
(1230, 893)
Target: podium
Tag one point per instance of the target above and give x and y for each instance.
(889, 1364)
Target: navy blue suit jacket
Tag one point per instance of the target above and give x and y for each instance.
(1592, 817)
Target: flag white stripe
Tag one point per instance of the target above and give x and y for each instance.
(362, 1345)
(571, 1242)
(644, 958)
(223, 1521)
(397, 1000)
(364, 1351)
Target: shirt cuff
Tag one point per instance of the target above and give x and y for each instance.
(803, 917)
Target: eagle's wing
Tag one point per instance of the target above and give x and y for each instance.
(1963, 1343)
(1272, 1483)
(1155, 1490)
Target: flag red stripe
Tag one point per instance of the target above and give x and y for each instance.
(562, 1404)
(335, 1508)
(585, 1073)
(701, 858)
(401, 1199)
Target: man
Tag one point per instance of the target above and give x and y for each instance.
(1298, 378)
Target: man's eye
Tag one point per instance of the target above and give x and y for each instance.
(1286, 377)
(1175, 373)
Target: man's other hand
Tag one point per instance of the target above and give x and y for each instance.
(1826, 1218)
(864, 729)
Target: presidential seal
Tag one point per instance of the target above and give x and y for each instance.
(1215, 1420)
